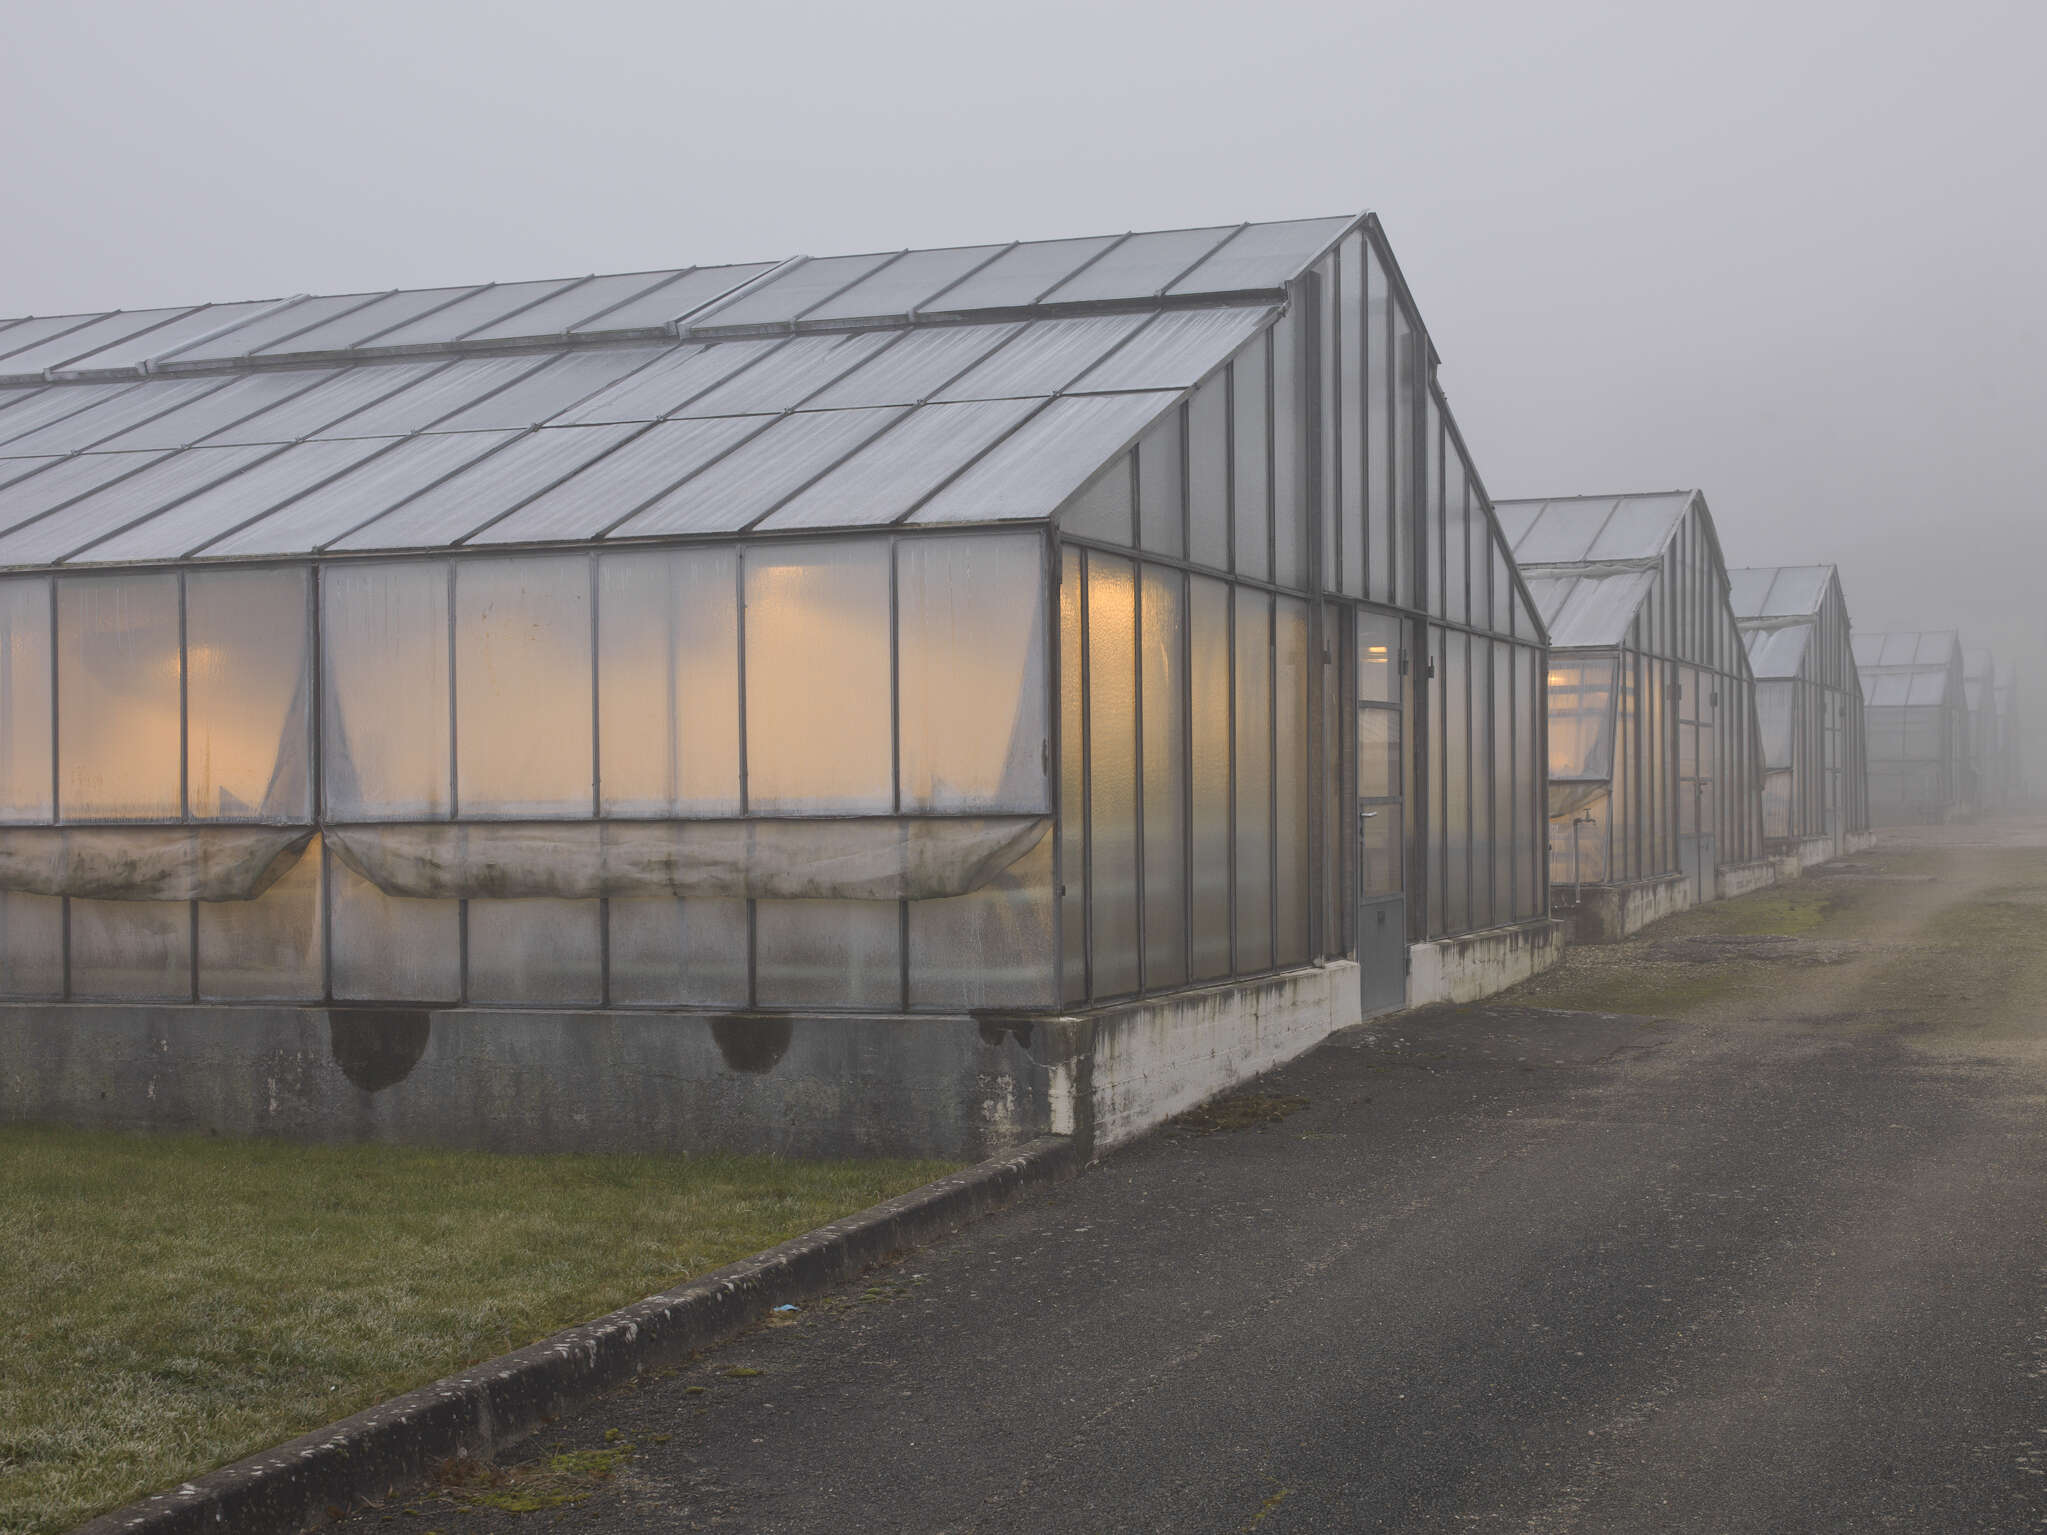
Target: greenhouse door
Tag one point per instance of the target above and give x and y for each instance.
(1382, 905)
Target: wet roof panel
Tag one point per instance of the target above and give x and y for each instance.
(55, 403)
(916, 366)
(788, 376)
(355, 326)
(1140, 266)
(165, 340)
(436, 396)
(62, 480)
(1589, 612)
(672, 300)
(572, 306)
(479, 311)
(899, 468)
(1018, 277)
(346, 391)
(903, 284)
(1263, 256)
(26, 335)
(163, 483)
(1639, 527)
(223, 404)
(670, 382)
(1778, 653)
(782, 298)
(1177, 350)
(546, 392)
(67, 343)
(116, 412)
(1046, 358)
(281, 324)
(1031, 473)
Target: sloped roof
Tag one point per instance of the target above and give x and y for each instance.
(1921, 647)
(1900, 686)
(1778, 591)
(1777, 652)
(1588, 610)
(1592, 530)
(967, 385)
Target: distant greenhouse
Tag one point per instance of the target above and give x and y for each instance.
(1920, 770)
(1655, 792)
(905, 701)
(1993, 729)
(1809, 705)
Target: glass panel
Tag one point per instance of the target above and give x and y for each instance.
(1290, 779)
(385, 732)
(1378, 407)
(1209, 792)
(1045, 359)
(1112, 772)
(436, 397)
(903, 284)
(788, 376)
(25, 699)
(524, 727)
(1208, 474)
(246, 694)
(1409, 371)
(1072, 780)
(1140, 265)
(1436, 758)
(268, 948)
(1031, 472)
(899, 468)
(215, 410)
(1176, 350)
(1261, 256)
(1251, 499)
(1529, 716)
(668, 683)
(817, 669)
(109, 510)
(1580, 718)
(131, 949)
(1502, 849)
(829, 953)
(675, 300)
(679, 953)
(1164, 730)
(989, 949)
(546, 392)
(1381, 847)
(55, 404)
(484, 307)
(569, 308)
(1458, 798)
(1162, 487)
(69, 344)
(1457, 562)
(971, 673)
(1378, 659)
(1019, 276)
(920, 364)
(31, 944)
(346, 330)
(535, 951)
(786, 295)
(117, 688)
(1254, 781)
(163, 338)
(680, 377)
(1104, 509)
(281, 325)
(615, 486)
(387, 949)
(1378, 754)
(1289, 453)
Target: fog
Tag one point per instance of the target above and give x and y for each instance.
(1788, 254)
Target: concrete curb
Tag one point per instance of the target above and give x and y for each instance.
(501, 1401)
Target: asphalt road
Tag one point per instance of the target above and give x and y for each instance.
(1776, 1265)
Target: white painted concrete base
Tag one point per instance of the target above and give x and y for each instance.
(1609, 913)
(1479, 964)
(1153, 1059)
(1794, 855)
(1742, 878)
(1859, 841)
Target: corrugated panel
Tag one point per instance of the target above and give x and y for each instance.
(25, 335)
(14, 394)
(1141, 266)
(789, 376)
(669, 384)
(436, 397)
(484, 307)
(902, 285)
(1798, 589)
(55, 403)
(215, 411)
(1563, 532)
(1778, 652)
(488, 489)
(1033, 471)
(1593, 610)
(65, 480)
(689, 292)
(620, 483)
(1263, 256)
(346, 391)
(357, 326)
(62, 348)
(782, 298)
(116, 414)
(137, 350)
(763, 471)
(1639, 527)
(567, 381)
(1046, 358)
(241, 498)
(166, 481)
(317, 519)
(1017, 278)
(566, 310)
(902, 466)
(918, 365)
(1748, 591)
(1176, 350)
(266, 330)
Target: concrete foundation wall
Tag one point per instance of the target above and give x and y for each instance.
(1734, 879)
(1794, 855)
(1609, 913)
(1859, 842)
(1480, 964)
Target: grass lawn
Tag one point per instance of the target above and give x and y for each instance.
(170, 1304)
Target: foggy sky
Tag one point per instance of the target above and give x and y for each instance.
(1788, 253)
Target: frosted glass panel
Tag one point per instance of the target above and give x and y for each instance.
(387, 949)
(668, 682)
(246, 694)
(971, 661)
(524, 727)
(1209, 791)
(117, 684)
(1162, 488)
(268, 948)
(1290, 779)
(829, 953)
(1208, 474)
(31, 944)
(1112, 771)
(989, 949)
(25, 700)
(386, 701)
(1251, 504)
(817, 670)
(535, 951)
(1072, 780)
(1104, 507)
(679, 953)
(1254, 781)
(1164, 731)
(132, 949)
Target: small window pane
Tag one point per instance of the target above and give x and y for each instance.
(25, 700)
(829, 953)
(140, 950)
(246, 695)
(389, 949)
(1209, 791)
(679, 953)
(385, 735)
(117, 683)
(1112, 771)
(535, 951)
(523, 720)
(268, 949)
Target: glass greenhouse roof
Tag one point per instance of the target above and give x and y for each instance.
(1931, 647)
(1781, 591)
(970, 384)
(1592, 530)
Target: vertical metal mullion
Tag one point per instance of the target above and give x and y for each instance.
(895, 747)
(745, 785)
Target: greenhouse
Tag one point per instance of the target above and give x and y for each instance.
(1993, 729)
(1794, 619)
(1920, 770)
(907, 701)
(1655, 793)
